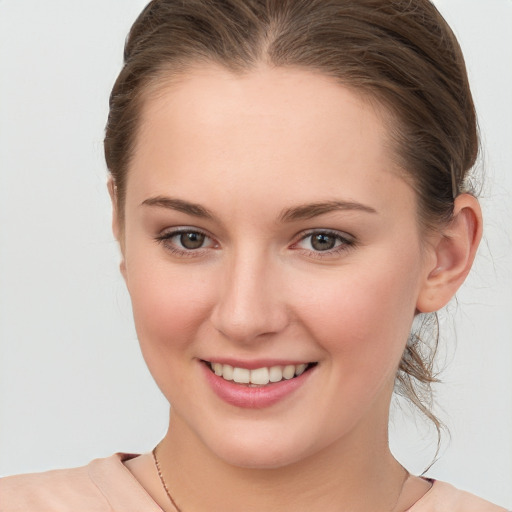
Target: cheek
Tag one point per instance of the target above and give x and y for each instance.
(169, 306)
(362, 315)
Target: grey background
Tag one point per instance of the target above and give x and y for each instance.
(73, 385)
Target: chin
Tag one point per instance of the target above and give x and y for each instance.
(259, 453)
(257, 459)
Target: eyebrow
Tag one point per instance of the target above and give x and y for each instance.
(180, 205)
(301, 212)
(308, 211)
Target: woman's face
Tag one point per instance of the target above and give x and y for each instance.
(266, 227)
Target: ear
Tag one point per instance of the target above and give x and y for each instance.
(454, 250)
(116, 225)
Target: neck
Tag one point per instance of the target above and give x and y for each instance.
(358, 471)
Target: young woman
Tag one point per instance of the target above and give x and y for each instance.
(289, 187)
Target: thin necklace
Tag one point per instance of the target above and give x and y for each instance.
(155, 458)
(178, 509)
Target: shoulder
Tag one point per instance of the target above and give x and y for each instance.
(52, 490)
(443, 497)
(103, 485)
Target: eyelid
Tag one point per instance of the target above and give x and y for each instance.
(343, 235)
(347, 242)
(166, 235)
(177, 230)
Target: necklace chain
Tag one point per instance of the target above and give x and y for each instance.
(157, 464)
(178, 509)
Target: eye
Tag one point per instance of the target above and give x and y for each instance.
(184, 241)
(322, 241)
(325, 241)
(191, 239)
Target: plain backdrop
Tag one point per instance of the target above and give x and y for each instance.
(73, 385)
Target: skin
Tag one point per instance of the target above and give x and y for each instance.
(249, 149)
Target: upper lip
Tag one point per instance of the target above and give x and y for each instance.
(253, 364)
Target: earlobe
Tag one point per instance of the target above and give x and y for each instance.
(454, 252)
(116, 228)
(112, 191)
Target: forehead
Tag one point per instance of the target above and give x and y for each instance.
(265, 100)
(290, 130)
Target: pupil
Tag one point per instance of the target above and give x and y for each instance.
(192, 240)
(323, 242)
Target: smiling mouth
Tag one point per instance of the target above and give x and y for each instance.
(259, 376)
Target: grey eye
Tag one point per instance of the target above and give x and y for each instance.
(323, 241)
(192, 240)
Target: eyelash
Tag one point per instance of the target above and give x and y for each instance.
(166, 238)
(346, 243)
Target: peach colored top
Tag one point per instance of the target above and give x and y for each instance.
(106, 485)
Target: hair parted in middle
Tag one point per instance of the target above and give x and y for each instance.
(401, 55)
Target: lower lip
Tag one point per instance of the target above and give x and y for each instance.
(247, 397)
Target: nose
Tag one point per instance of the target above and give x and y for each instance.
(251, 303)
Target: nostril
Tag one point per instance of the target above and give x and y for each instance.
(249, 305)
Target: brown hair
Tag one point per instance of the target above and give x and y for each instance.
(400, 53)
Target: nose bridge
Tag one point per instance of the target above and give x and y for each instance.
(250, 301)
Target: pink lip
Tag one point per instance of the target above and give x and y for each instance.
(247, 397)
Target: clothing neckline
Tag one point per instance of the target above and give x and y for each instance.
(121, 457)
(100, 472)
(433, 483)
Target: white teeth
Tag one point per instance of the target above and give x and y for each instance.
(241, 375)
(289, 371)
(300, 369)
(227, 372)
(275, 374)
(258, 376)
